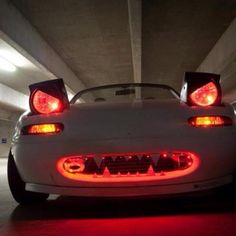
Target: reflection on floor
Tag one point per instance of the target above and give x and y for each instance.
(192, 215)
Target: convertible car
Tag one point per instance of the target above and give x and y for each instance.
(123, 140)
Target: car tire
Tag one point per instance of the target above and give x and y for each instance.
(228, 190)
(17, 186)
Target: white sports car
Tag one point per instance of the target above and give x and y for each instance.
(123, 140)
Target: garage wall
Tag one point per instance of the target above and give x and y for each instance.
(6, 131)
(8, 120)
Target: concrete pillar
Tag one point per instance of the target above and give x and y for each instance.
(222, 60)
(135, 23)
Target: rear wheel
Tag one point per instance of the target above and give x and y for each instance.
(228, 190)
(17, 186)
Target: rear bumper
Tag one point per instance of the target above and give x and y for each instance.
(37, 161)
(149, 190)
(37, 157)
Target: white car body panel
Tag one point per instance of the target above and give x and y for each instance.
(148, 126)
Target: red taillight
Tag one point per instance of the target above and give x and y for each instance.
(42, 129)
(45, 104)
(210, 121)
(205, 95)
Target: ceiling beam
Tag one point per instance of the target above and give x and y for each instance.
(135, 24)
(13, 99)
(9, 115)
(222, 60)
(20, 34)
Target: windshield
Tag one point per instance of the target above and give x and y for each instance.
(125, 92)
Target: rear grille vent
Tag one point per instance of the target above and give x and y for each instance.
(126, 165)
(134, 164)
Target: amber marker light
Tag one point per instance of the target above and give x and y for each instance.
(42, 129)
(210, 121)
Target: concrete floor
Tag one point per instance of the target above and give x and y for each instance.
(205, 214)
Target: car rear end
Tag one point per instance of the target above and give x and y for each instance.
(135, 148)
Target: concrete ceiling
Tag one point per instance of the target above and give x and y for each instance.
(25, 74)
(178, 35)
(93, 36)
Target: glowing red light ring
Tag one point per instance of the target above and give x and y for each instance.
(193, 165)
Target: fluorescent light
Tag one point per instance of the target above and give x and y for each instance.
(14, 57)
(7, 66)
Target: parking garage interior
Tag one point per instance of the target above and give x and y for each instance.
(97, 42)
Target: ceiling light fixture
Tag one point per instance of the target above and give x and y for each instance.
(14, 57)
(7, 66)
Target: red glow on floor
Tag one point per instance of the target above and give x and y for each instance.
(187, 224)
